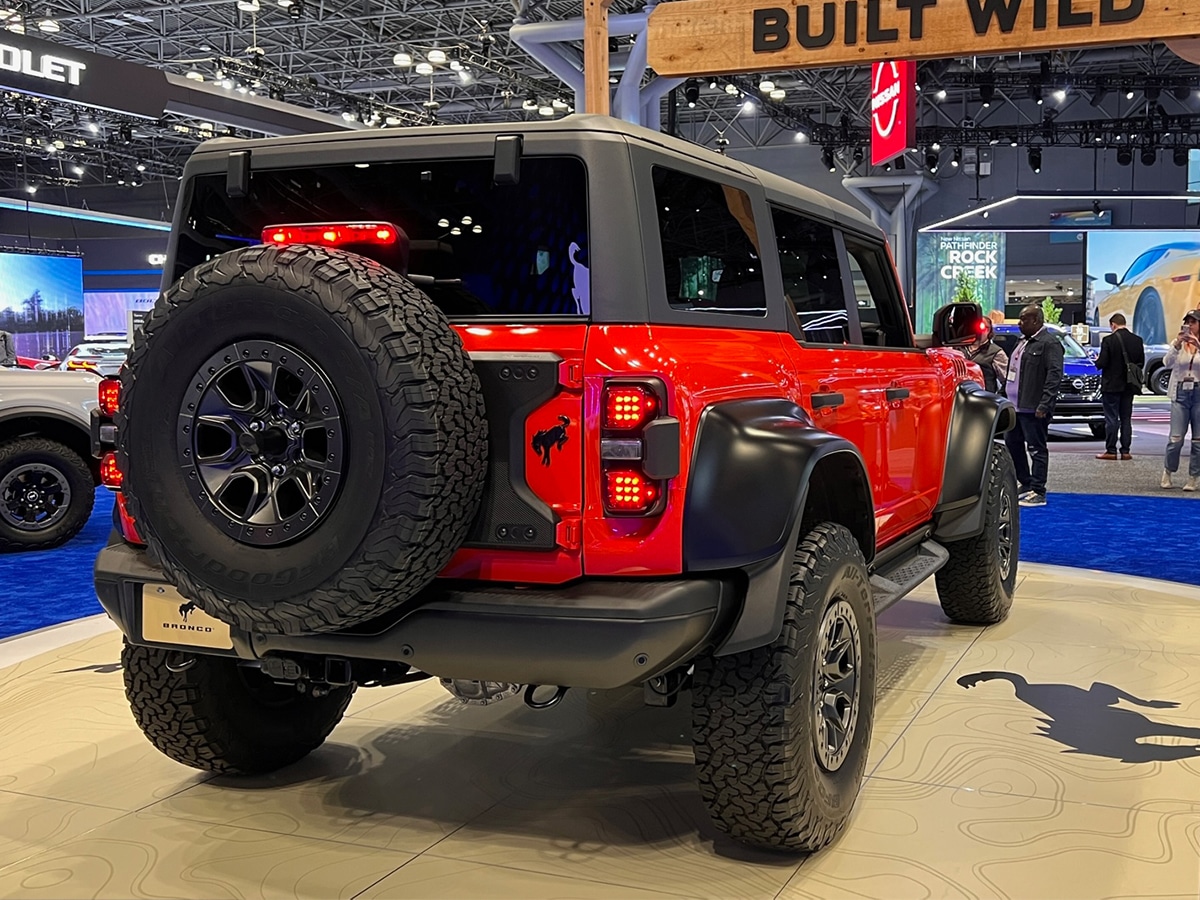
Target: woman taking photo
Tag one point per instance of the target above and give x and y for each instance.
(1183, 359)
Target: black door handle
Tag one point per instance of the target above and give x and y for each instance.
(827, 400)
(897, 393)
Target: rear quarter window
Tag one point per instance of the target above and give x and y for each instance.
(477, 248)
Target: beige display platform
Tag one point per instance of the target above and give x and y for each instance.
(972, 792)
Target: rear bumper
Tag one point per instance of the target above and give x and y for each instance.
(591, 633)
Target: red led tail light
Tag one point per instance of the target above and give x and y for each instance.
(629, 407)
(110, 396)
(331, 234)
(628, 491)
(111, 475)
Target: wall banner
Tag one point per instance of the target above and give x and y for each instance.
(958, 265)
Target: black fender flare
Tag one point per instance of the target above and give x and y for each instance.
(977, 418)
(752, 468)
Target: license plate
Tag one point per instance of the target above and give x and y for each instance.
(169, 618)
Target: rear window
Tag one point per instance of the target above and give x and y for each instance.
(477, 249)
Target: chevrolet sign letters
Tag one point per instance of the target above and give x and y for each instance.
(51, 68)
(718, 36)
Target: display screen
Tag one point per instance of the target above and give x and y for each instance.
(1152, 277)
(109, 312)
(958, 266)
(41, 302)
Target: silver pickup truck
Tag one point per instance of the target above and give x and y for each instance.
(48, 477)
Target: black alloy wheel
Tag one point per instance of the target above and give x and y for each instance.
(836, 699)
(262, 435)
(34, 497)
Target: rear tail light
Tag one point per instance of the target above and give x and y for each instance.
(630, 492)
(639, 448)
(1178, 278)
(111, 475)
(629, 407)
(110, 396)
(331, 234)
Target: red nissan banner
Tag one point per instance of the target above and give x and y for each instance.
(893, 109)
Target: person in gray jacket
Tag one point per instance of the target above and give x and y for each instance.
(8, 350)
(1183, 359)
(1035, 371)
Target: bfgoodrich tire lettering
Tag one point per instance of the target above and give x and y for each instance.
(410, 429)
(975, 586)
(46, 494)
(765, 773)
(220, 716)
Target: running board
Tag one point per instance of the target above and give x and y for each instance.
(902, 575)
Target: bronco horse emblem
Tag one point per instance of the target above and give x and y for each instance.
(186, 609)
(550, 438)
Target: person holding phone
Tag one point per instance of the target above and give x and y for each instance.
(1183, 359)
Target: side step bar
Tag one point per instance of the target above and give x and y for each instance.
(900, 576)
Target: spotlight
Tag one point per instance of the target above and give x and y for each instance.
(78, 170)
(546, 110)
(691, 92)
(1035, 159)
(1125, 155)
(956, 161)
(560, 105)
(713, 85)
(193, 75)
(49, 26)
(766, 86)
(748, 107)
(778, 94)
(732, 90)
(1101, 91)
(530, 103)
(800, 137)
(987, 93)
(1035, 91)
(900, 163)
(437, 57)
(1179, 156)
(250, 6)
(941, 94)
(1149, 156)
(403, 59)
(827, 159)
(1060, 95)
(1128, 92)
(931, 161)
(424, 68)
(858, 155)
(1095, 207)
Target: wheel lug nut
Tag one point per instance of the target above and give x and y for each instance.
(293, 430)
(278, 470)
(256, 425)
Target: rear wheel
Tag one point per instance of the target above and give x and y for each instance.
(976, 584)
(303, 438)
(781, 732)
(215, 714)
(46, 494)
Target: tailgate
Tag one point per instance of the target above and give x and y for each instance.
(528, 526)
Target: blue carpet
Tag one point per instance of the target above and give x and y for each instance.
(1128, 535)
(40, 589)
(1122, 534)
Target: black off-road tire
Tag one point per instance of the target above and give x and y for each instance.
(223, 717)
(1159, 381)
(975, 586)
(754, 713)
(61, 463)
(414, 457)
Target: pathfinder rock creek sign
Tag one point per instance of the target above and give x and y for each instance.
(893, 109)
(29, 65)
(712, 37)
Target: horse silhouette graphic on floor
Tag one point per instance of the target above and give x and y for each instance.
(1088, 721)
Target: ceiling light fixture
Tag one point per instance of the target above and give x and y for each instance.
(424, 68)
(691, 92)
(766, 86)
(732, 90)
(49, 26)
(403, 59)
(1035, 159)
(778, 94)
(437, 57)
(250, 6)
(530, 103)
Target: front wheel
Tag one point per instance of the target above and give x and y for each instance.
(1160, 381)
(1148, 318)
(46, 494)
(976, 584)
(781, 732)
(216, 714)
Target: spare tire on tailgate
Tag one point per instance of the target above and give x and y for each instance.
(303, 438)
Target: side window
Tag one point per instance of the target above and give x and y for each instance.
(709, 245)
(880, 310)
(812, 278)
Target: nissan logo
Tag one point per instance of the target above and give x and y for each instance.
(1078, 382)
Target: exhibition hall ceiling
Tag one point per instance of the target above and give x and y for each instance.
(452, 61)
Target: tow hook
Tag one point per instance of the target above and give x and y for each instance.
(179, 662)
(552, 700)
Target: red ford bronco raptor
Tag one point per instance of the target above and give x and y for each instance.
(532, 407)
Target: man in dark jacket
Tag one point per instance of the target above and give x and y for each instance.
(1034, 374)
(8, 350)
(1117, 350)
